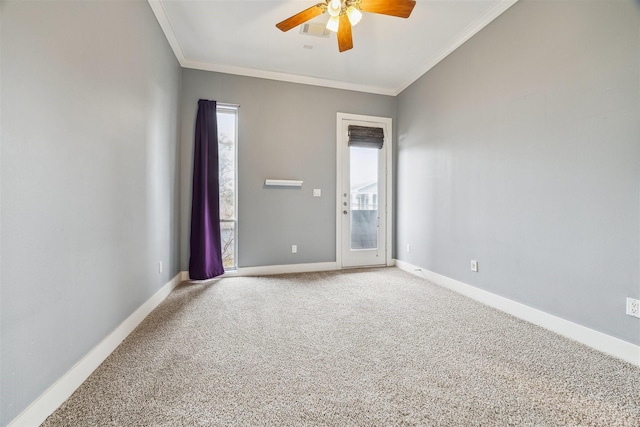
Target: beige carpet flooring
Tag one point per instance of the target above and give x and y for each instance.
(355, 348)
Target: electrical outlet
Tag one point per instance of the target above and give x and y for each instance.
(159, 267)
(294, 249)
(633, 307)
(474, 265)
(408, 247)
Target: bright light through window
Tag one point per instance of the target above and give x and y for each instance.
(227, 153)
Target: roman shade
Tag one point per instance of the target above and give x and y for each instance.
(364, 136)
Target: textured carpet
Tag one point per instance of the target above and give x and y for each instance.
(352, 348)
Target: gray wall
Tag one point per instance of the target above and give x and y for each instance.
(522, 150)
(89, 174)
(286, 131)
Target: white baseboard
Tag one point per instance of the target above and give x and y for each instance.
(267, 270)
(60, 391)
(602, 342)
(288, 268)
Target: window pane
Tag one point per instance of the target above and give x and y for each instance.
(227, 155)
(364, 197)
(227, 162)
(228, 238)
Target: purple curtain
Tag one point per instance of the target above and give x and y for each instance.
(205, 260)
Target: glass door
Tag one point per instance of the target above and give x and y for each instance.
(362, 206)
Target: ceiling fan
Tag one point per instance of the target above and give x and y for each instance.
(343, 14)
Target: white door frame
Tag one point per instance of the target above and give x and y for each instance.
(388, 147)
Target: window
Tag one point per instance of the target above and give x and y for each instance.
(227, 154)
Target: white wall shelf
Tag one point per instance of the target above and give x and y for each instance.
(282, 183)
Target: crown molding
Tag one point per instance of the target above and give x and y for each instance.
(285, 77)
(458, 41)
(167, 29)
(466, 34)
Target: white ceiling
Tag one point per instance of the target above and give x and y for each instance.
(389, 53)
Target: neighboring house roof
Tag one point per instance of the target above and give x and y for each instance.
(369, 188)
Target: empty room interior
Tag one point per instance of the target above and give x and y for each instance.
(499, 283)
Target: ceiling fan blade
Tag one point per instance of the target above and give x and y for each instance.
(302, 17)
(345, 40)
(399, 8)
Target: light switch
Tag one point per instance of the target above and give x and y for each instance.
(317, 192)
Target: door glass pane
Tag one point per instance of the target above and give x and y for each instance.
(364, 197)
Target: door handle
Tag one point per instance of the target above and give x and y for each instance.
(345, 212)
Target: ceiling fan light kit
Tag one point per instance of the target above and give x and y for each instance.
(334, 7)
(333, 23)
(344, 14)
(354, 15)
